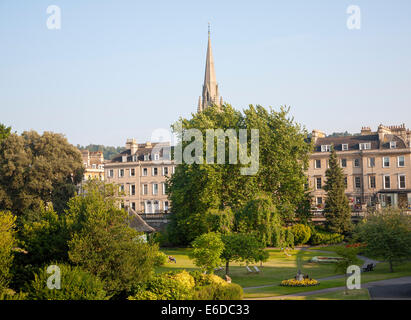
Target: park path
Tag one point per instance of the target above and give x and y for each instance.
(365, 259)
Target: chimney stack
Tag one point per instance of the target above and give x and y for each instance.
(317, 134)
(132, 145)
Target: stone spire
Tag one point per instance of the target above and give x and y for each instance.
(210, 87)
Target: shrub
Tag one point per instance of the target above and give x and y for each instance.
(143, 295)
(7, 241)
(323, 237)
(160, 259)
(186, 286)
(76, 284)
(229, 291)
(301, 232)
(226, 291)
(9, 294)
(167, 286)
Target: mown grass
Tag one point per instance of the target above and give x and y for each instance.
(361, 294)
(280, 267)
(381, 272)
(277, 268)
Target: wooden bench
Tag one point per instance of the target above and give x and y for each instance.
(368, 268)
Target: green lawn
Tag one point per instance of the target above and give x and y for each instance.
(280, 267)
(276, 269)
(361, 294)
(381, 273)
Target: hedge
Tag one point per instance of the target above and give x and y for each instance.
(322, 237)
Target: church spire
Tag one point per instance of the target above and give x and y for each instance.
(210, 87)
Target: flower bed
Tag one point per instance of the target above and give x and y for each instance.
(325, 259)
(299, 283)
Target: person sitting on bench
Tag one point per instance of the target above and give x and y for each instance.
(369, 267)
(172, 259)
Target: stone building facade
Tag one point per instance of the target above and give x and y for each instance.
(93, 163)
(141, 172)
(377, 167)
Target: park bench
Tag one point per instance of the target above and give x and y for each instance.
(368, 268)
(256, 269)
(248, 269)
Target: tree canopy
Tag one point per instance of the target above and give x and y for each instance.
(4, 131)
(387, 235)
(241, 247)
(196, 188)
(207, 249)
(36, 169)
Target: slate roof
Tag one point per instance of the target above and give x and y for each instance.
(354, 142)
(141, 151)
(136, 222)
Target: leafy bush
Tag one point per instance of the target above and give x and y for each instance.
(226, 291)
(186, 286)
(323, 237)
(7, 241)
(76, 284)
(301, 232)
(229, 291)
(9, 294)
(143, 295)
(160, 259)
(167, 286)
(213, 287)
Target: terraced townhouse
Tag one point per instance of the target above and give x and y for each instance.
(141, 172)
(377, 167)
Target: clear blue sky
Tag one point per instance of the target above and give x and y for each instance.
(121, 69)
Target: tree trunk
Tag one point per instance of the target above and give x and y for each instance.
(391, 269)
(226, 267)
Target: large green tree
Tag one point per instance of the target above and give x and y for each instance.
(240, 247)
(207, 249)
(36, 169)
(337, 210)
(387, 235)
(104, 244)
(44, 237)
(194, 189)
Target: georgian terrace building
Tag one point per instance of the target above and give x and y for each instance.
(377, 167)
(93, 163)
(141, 172)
